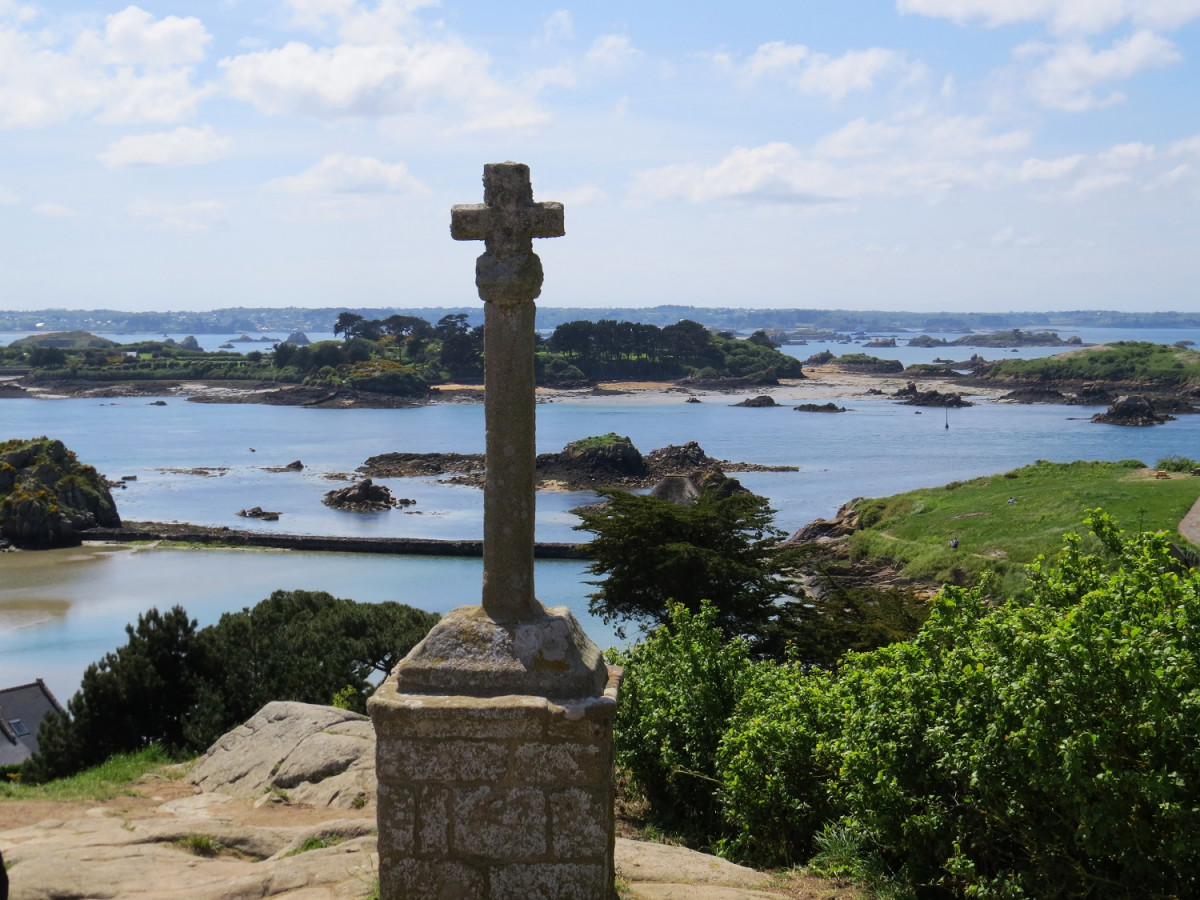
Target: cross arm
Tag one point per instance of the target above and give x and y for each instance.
(470, 222)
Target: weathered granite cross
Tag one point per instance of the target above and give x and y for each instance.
(509, 278)
(510, 644)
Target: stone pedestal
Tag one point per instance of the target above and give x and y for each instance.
(505, 797)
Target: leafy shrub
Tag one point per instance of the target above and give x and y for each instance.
(1176, 464)
(682, 684)
(1036, 750)
(773, 783)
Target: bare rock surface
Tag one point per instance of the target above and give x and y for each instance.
(209, 836)
(316, 755)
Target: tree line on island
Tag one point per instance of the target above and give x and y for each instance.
(406, 355)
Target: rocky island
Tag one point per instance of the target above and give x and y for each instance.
(593, 463)
(47, 497)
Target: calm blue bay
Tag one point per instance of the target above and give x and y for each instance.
(56, 618)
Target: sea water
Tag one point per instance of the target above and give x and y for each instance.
(202, 463)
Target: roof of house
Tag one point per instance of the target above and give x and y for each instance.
(22, 709)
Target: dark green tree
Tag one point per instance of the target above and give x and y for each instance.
(652, 552)
(135, 696)
(182, 688)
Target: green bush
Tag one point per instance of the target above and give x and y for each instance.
(1045, 749)
(682, 684)
(773, 783)
(1176, 464)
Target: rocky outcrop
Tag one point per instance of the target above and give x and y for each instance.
(911, 395)
(299, 338)
(317, 755)
(366, 496)
(257, 512)
(678, 489)
(603, 460)
(47, 496)
(610, 461)
(609, 452)
(1132, 410)
(830, 407)
(844, 524)
(881, 342)
(871, 365)
(679, 459)
(413, 465)
(760, 402)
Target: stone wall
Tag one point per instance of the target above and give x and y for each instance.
(497, 797)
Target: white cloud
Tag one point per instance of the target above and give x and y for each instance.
(317, 13)
(1086, 16)
(56, 211)
(612, 51)
(1010, 237)
(344, 174)
(1070, 71)
(1099, 183)
(587, 194)
(774, 56)
(855, 70)
(1049, 169)
(133, 37)
(1171, 178)
(818, 73)
(17, 12)
(859, 138)
(7, 197)
(1126, 156)
(134, 72)
(775, 171)
(181, 147)
(1187, 146)
(379, 79)
(558, 26)
(166, 96)
(198, 215)
(929, 135)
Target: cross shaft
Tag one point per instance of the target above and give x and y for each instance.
(509, 278)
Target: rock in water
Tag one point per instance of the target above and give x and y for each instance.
(1132, 410)
(366, 496)
(47, 496)
(760, 402)
(608, 453)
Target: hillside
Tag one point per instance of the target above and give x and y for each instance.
(1004, 521)
(1134, 363)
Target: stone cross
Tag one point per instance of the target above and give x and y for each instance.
(509, 278)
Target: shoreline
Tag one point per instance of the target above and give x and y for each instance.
(822, 383)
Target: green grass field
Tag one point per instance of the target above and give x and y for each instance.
(107, 780)
(915, 529)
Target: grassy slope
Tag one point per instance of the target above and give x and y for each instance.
(1124, 361)
(1052, 499)
(107, 780)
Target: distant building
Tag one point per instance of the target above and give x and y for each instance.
(21, 712)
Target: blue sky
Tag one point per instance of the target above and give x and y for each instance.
(914, 154)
